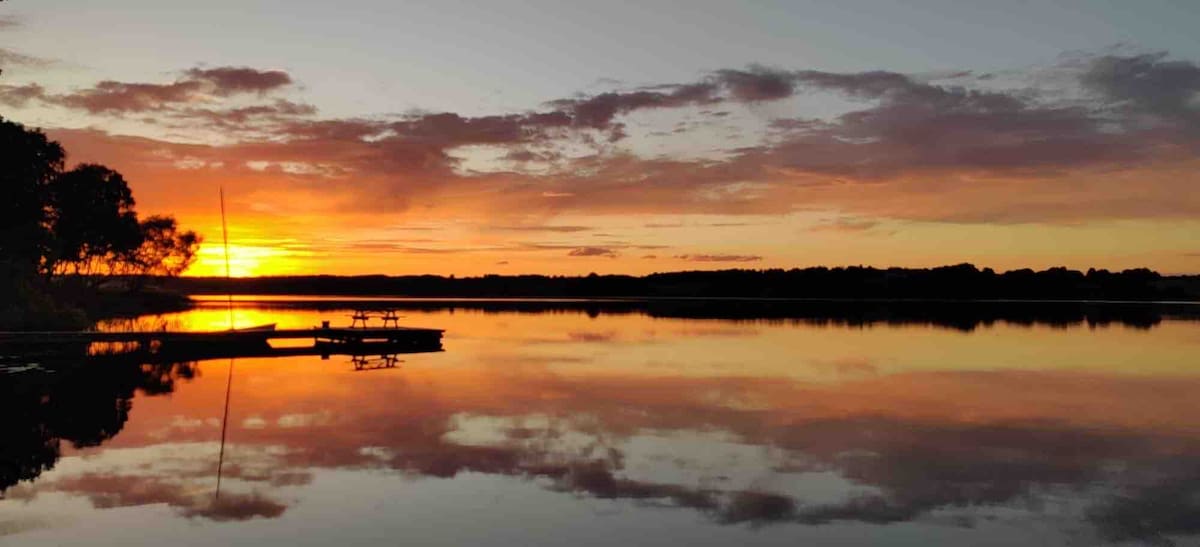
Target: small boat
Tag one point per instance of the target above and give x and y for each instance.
(257, 328)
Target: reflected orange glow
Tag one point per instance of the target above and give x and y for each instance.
(685, 374)
(886, 410)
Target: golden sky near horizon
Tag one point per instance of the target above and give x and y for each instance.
(563, 139)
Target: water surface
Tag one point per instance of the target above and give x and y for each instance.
(618, 424)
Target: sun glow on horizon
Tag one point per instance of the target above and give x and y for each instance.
(244, 261)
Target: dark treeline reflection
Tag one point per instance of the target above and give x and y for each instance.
(964, 316)
(87, 404)
(80, 405)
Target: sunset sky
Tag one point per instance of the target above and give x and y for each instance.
(465, 138)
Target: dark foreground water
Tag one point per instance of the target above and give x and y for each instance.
(569, 424)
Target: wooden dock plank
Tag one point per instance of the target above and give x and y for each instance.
(316, 333)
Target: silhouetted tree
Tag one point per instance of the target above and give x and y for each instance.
(29, 162)
(164, 249)
(76, 224)
(92, 222)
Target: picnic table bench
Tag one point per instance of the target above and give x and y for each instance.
(388, 316)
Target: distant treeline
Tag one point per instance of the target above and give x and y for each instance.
(963, 315)
(959, 282)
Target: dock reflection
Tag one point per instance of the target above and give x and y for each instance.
(371, 362)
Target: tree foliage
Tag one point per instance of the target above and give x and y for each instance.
(82, 221)
(29, 162)
(164, 250)
(91, 221)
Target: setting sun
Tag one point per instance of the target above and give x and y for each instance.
(244, 261)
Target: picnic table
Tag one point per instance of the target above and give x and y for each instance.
(389, 316)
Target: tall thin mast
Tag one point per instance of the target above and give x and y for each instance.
(228, 275)
(229, 377)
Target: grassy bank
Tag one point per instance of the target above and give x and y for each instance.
(76, 308)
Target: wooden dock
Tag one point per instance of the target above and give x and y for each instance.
(167, 345)
(325, 340)
(327, 334)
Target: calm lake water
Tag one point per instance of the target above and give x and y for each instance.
(557, 423)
